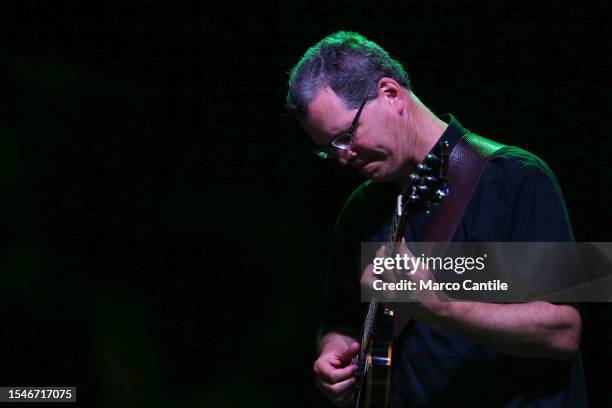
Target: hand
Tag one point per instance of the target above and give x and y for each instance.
(413, 301)
(334, 373)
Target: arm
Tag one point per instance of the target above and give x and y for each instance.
(532, 210)
(533, 330)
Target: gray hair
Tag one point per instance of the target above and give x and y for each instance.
(349, 63)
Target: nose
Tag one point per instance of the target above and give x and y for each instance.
(344, 156)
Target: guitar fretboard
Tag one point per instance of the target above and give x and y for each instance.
(373, 306)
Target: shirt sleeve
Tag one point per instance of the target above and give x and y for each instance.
(535, 205)
(517, 199)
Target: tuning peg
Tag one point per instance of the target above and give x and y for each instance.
(442, 192)
(431, 158)
(423, 168)
(414, 178)
(429, 179)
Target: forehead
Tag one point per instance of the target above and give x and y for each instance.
(327, 116)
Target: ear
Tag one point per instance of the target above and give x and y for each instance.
(392, 92)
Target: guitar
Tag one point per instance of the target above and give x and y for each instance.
(428, 187)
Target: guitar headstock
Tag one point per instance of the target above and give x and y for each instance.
(428, 182)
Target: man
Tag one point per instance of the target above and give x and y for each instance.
(356, 104)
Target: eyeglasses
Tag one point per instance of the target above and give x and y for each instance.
(340, 142)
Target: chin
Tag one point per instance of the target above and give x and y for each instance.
(379, 177)
(378, 172)
(370, 173)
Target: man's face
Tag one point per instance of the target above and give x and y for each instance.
(376, 150)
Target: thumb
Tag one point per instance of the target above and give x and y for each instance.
(350, 352)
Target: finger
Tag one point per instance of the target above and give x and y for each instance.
(390, 275)
(404, 246)
(322, 366)
(325, 368)
(340, 398)
(340, 374)
(381, 252)
(345, 398)
(340, 388)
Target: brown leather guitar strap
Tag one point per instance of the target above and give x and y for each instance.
(466, 164)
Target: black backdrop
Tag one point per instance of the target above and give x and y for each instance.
(165, 226)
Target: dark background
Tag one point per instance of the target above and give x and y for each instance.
(165, 225)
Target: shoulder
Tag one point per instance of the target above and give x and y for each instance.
(513, 168)
(519, 197)
(519, 160)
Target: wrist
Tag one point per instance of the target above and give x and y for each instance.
(445, 315)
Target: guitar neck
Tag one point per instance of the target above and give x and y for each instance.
(397, 226)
